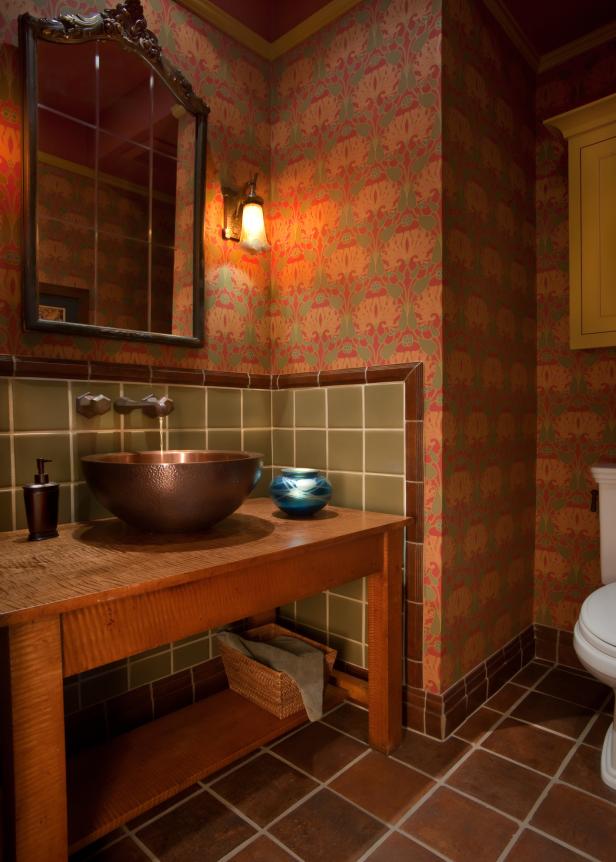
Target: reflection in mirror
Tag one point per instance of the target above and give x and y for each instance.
(119, 186)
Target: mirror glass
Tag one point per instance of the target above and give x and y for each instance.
(116, 194)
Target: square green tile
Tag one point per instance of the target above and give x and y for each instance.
(64, 508)
(224, 408)
(188, 407)
(87, 507)
(310, 408)
(282, 408)
(257, 408)
(312, 611)
(384, 405)
(352, 590)
(40, 405)
(348, 651)
(53, 446)
(137, 392)
(104, 686)
(346, 618)
(287, 612)
(346, 450)
(109, 420)
(93, 443)
(5, 462)
(4, 405)
(385, 494)
(261, 489)
(224, 439)
(348, 489)
(311, 449)
(345, 407)
(6, 511)
(187, 439)
(149, 669)
(142, 441)
(282, 447)
(259, 441)
(385, 452)
(190, 654)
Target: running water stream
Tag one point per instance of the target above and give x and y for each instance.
(161, 431)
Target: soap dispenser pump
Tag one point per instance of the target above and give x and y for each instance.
(41, 501)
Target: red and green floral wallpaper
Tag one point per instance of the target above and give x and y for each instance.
(355, 217)
(576, 388)
(235, 84)
(488, 339)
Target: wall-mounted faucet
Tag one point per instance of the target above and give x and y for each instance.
(151, 405)
(92, 405)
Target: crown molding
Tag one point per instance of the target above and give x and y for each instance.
(213, 14)
(578, 46)
(514, 31)
(586, 118)
(321, 18)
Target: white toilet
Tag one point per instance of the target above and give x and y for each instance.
(594, 637)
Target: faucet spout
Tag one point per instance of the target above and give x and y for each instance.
(150, 405)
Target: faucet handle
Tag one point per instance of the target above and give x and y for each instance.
(157, 407)
(92, 405)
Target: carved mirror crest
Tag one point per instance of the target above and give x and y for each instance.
(114, 181)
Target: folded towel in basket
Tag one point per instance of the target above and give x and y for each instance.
(301, 661)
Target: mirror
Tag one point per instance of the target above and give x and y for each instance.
(114, 181)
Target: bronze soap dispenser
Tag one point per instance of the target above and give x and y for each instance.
(41, 501)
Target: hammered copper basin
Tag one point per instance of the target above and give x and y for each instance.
(172, 492)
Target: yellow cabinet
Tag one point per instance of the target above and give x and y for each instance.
(591, 134)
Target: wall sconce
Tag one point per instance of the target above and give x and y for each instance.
(244, 222)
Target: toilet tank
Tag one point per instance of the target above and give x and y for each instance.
(605, 477)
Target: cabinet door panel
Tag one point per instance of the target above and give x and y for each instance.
(598, 223)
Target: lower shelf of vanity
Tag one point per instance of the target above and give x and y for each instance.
(114, 782)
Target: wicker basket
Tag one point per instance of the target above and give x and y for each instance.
(270, 689)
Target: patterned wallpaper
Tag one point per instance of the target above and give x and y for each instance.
(576, 388)
(235, 84)
(355, 218)
(488, 339)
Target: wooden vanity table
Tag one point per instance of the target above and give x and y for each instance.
(102, 592)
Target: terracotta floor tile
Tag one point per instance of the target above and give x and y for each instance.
(553, 713)
(201, 828)
(504, 699)
(327, 828)
(478, 724)
(582, 821)
(596, 734)
(430, 755)
(531, 847)
(528, 745)
(351, 719)
(574, 687)
(136, 822)
(529, 675)
(504, 785)
(263, 849)
(584, 770)
(463, 830)
(264, 788)
(382, 786)
(319, 750)
(398, 848)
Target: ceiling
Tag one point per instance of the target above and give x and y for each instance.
(538, 28)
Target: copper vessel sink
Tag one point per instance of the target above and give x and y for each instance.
(172, 492)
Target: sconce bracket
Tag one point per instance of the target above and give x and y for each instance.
(233, 214)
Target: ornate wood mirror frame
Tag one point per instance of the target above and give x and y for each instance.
(126, 26)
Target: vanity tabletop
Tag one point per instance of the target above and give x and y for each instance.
(91, 563)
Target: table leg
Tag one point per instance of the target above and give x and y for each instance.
(34, 766)
(385, 644)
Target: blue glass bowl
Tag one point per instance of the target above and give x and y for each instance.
(300, 491)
